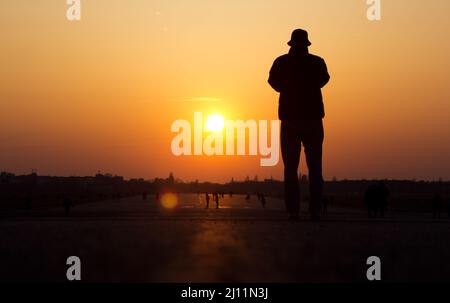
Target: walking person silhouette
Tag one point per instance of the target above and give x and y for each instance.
(299, 76)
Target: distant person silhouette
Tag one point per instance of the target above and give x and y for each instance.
(437, 206)
(299, 76)
(67, 203)
(263, 200)
(144, 195)
(207, 200)
(376, 199)
(370, 199)
(216, 198)
(247, 197)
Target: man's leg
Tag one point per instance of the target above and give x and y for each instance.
(290, 150)
(313, 151)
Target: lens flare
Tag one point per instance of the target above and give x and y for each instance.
(169, 201)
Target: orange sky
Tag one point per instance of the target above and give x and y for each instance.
(101, 93)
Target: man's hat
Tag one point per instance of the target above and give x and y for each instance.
(299, 38)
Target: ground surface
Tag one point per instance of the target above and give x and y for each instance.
(134, 240)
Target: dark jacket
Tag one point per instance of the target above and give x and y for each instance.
(299, 77)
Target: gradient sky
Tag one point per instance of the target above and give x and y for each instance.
(101, 94)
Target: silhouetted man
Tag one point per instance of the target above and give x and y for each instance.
(299, 76)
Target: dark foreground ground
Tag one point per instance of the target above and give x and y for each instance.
(132, 240)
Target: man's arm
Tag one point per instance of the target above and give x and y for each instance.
(275, 77)
(323, 76)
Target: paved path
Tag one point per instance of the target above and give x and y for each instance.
(135, 240)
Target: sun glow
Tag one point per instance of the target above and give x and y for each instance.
(215, 123)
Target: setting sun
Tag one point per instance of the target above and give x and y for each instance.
(215, 123)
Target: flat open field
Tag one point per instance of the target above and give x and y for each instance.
(135, 240)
